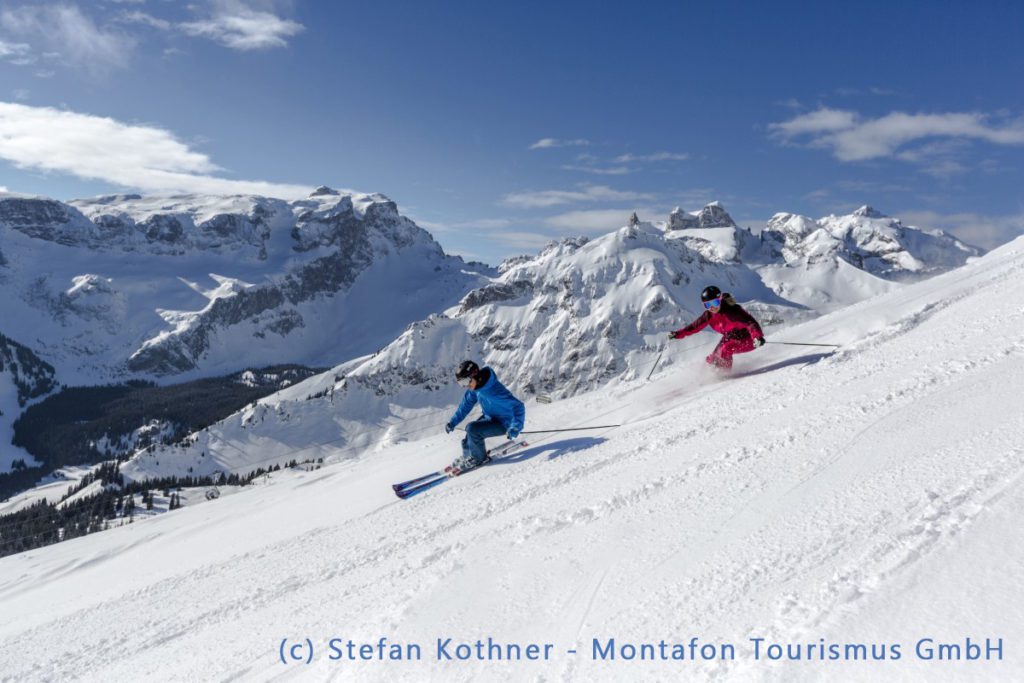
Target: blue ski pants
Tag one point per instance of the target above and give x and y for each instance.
(476, 432)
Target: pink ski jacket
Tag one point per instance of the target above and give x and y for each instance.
(730, 318)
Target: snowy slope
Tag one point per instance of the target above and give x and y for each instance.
(867, 496)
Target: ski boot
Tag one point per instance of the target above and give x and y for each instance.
(719, 364)
(464, 463)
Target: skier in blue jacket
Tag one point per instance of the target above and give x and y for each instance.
(503, 413)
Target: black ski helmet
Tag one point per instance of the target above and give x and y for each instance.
(467, 370)
(710, 292)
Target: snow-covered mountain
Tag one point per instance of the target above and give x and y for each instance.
(866, 497)
(580, 314)
(826, 263)
(192, 285)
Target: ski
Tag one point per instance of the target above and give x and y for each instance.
(413, 490)
(495, 452)
(411, 487)
(417, 480)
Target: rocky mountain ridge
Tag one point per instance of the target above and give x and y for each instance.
(827, 262)
(283, 276)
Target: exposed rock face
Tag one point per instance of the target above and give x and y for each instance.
(45, 219)
(714, 216)
(180, 353)
(163, 229)
(181, 224)
(681, 220)
(496, 293)
(711, 216)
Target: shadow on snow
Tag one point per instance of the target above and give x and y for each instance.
(808, 359)
(554, 450)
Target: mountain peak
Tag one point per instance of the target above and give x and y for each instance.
(322, 190)
(713, 215)
(869, 212)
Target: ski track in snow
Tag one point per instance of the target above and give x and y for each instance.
(772, 505)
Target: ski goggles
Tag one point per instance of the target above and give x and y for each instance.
(714, 303)
(463, 381)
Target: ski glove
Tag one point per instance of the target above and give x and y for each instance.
(449, 428)
(513, 432)
(759, 342)
(671, 335)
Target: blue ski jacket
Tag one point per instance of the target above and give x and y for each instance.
(496, 402)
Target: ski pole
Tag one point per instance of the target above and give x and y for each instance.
(655, 364)
(834, 346)
(572, 429)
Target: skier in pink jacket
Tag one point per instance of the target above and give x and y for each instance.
(740, 332)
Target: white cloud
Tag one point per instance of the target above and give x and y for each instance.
(700, 196)
(16, 53)
(470, 225)
(592, 193)
(818, 195)
(657, 156)
(241, 27)
(524, 240)
(132, 156)
(852, 138)
(549, 143)
(597, 170)
(982, 230)
(483, 224)
(821, 121)
(137, 17)
(938, 158)
(70, 35)
(857, 92)
(871, 187)
(945, 169)
(595, 221)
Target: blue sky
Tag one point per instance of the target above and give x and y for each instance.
(501, 126)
